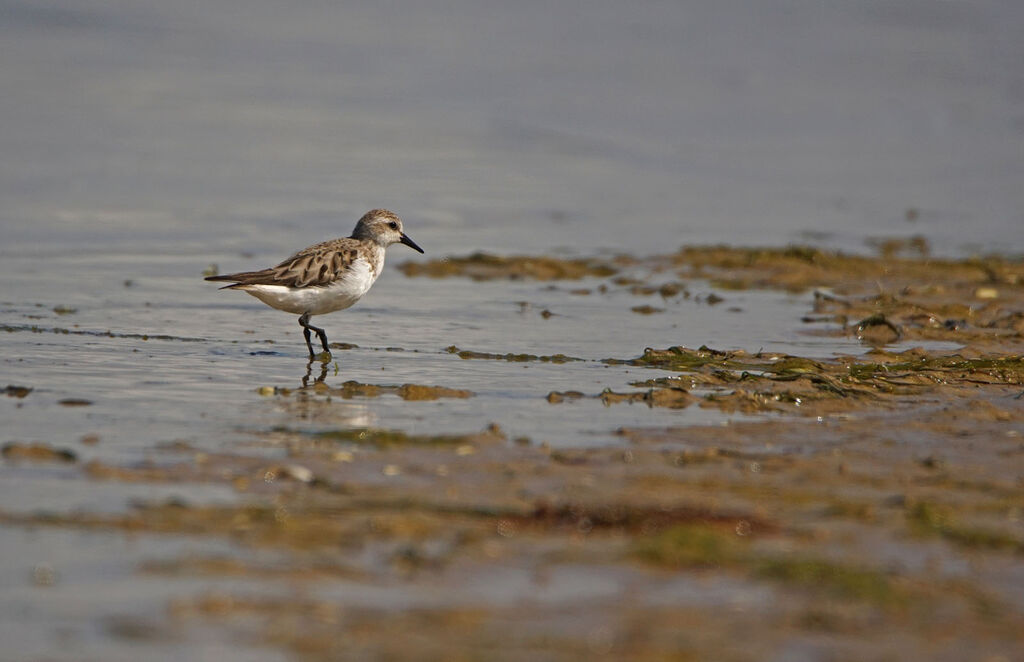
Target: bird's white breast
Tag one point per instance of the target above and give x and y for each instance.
(319, 299)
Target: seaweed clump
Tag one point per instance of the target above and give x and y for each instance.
(484, 266)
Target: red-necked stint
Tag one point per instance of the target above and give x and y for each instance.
(328, 276)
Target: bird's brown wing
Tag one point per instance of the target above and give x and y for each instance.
(321, 264)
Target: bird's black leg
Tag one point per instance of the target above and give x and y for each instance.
(306, 328)
(305, 332)
(323, 338)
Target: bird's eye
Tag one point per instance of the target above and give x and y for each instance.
(393, 225)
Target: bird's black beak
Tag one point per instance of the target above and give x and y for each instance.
(410, 243)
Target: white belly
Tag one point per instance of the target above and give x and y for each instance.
(317, 300)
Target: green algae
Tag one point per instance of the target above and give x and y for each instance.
(799, 268)
(672, 397)
(841, 580)
(511, 357)
(484, 266)
(926, 519)
(705, 546)
(680, 358)
(691, 546)
(1007, 369)
(844, 377)
(794, 366)
(388, 438)
(383, 438)
(410, 392)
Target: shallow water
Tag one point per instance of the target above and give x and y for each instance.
(142, 143)
(204, 389)
(163, 360)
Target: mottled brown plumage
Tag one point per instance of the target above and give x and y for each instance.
(320, 264)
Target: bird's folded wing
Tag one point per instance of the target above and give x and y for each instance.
(316, 265)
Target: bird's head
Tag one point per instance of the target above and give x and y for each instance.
(383, 227)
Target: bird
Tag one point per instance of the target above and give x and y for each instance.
(325, 277)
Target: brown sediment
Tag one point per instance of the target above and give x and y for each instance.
(739, 381)
(672, 397)
(793, 268)
(13, 391)
(802, 268)
(219, 566)
(904, 295)
(385, 438)
(634, 518)
(833, 522)
(74, 402)
(517, 358)
(482, 266)
(37, 452)
(351, 389)
(354, 389)
(561, 396)
(879, 300)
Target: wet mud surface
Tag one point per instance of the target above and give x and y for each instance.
(864, 504)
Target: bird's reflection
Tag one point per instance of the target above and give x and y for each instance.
(313, 402)
(309, 373)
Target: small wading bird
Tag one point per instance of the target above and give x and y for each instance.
(325, 277)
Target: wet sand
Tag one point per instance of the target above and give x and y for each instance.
(867, 506)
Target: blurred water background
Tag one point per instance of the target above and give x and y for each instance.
(152, 127)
